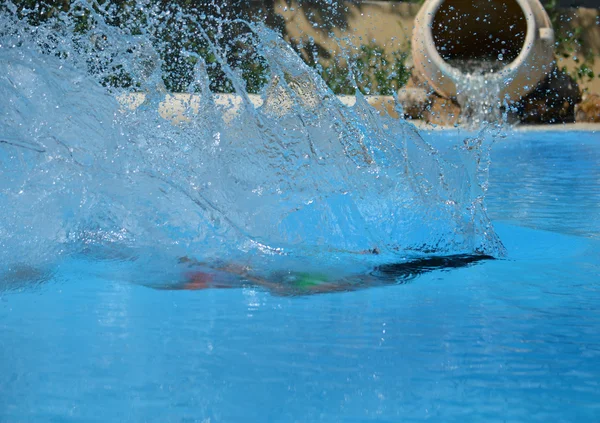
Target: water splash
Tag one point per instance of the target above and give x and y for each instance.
(300, 176)
(479, 86)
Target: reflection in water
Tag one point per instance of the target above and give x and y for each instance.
(548, 181)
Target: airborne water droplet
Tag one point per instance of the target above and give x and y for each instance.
(181, 168)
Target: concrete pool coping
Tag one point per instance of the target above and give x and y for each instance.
(176, 107)
(561, 127)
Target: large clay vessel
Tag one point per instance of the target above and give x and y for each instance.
(515, 34)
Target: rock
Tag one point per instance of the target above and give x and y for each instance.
(414, 81)
(441, 111)
(552, 101)
(589, 109)
(413, 101)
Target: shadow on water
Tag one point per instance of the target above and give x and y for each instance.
(22, 276)
(294, 283)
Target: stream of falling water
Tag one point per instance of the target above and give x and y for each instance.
(300, 176)
(478, 86)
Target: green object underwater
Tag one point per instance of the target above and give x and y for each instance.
(305, 280)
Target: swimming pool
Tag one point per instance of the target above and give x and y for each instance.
(514, 339)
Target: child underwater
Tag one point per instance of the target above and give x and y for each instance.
(287, 283)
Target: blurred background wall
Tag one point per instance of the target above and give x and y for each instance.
(388, 25)
(374, 34)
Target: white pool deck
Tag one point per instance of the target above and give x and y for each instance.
(178, 106)
(560, 127)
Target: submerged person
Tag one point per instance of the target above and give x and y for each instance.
(286, 283)
(227, 275)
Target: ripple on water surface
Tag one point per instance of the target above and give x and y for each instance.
(501, 340)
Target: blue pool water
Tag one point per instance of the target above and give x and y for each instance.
(509, 340)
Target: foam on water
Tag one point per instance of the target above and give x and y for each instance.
(302, 175)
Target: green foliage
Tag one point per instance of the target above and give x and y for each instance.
(370, 69)
(569, 44)
(185, 32)
(379, 73)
